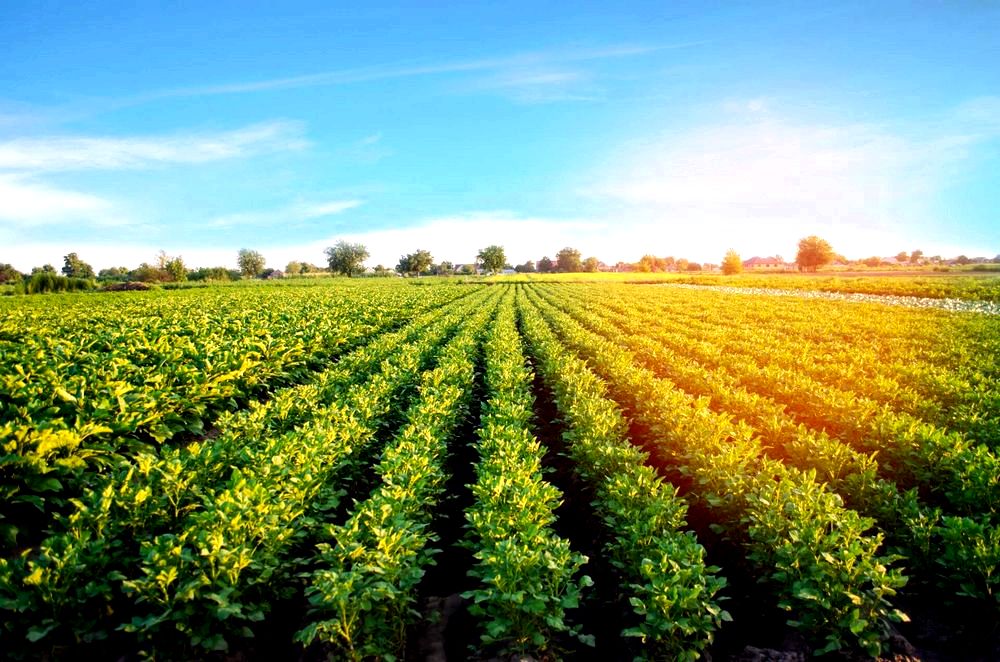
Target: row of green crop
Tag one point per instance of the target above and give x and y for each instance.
(362, 582)
(969, 288)
(180, 549)
(944, 339)
(526, 575)
(824, 567)
(210, 525)
(950, 470)
(933, 287)
(933, 366)
(951, 344)
(662, 569)
(815, 348)
(79, 394)
(966, 565)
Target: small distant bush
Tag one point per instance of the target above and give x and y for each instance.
(213, 273)
(126, 287)
(182, 285)
(44, 281)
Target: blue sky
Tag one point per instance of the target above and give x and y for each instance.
(616, 128)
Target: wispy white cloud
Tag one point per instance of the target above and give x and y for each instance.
(753, 106)
(537, 84)
(61, 153)
(26, 201)
(761, 182)
(536, 60)
(294, 213)
(368, 150)
(979, 117)
(25, 204)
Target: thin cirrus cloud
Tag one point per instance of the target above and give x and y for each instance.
(66, 153)
(295, 213)
(537, 85)
(512, 63)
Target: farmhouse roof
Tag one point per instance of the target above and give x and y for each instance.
(761, 260)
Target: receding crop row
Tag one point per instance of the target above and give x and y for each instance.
(926, 538)
(929, 364)
(362, 583)
(948, 468)
(161, 483)
(84, 390)
(206, 522)
(663, 572)
(526, 575)
(296, 508)
(824, 566)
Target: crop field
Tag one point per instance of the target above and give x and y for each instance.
(391, 469)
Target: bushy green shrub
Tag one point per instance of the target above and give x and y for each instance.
(44, 281)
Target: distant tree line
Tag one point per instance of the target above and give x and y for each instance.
(347, 259)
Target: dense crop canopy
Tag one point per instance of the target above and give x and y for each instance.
(610, 469)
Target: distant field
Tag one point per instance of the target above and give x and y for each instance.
(384, 467)
(970, 286)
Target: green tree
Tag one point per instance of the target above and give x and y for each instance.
(446, 268)
(74, 267)
(813, 252)
(251, 263)
(8, 274)
(901, 256)
(526, 268)
(915, 256)
(415, 263)
(47, 269)
(148, 273)
(568, 261)
(294, 268)
(346, 258)
(682, 264)
(172, 268)
(175, 269)
(113, 274)
(212, 273)
(592, 265)
(492, 258)
(732, 264)
(545, 265)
